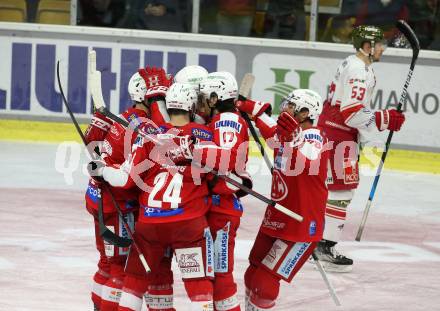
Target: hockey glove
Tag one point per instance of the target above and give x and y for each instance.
(253, 108)
(156, 80)
(286, 125)
(181, 149)
(96, 169)
(389, 119)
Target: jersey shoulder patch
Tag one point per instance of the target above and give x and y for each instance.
(202, 134)
(228, 120)
(313, 134)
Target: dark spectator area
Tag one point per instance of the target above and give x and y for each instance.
(281, 19)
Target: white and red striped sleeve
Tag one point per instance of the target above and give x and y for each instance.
(354, 103)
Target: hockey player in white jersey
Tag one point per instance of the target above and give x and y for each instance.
(346, 119)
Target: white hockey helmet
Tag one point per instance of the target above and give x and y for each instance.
(181, 96)
(192, 74)
(137, 88)
(304, 98)
(222, 83)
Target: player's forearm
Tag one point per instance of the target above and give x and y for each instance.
(116, 177)
(266, 125)
(363, 119)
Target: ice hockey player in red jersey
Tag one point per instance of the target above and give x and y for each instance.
(115, 145)
(160, 289)
(111, 138)
(348, 120)
(230, 131)
(174, 201)
(298, 182)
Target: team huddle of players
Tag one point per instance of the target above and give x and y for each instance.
(166, 182)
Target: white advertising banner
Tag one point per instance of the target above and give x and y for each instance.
(28, 71)
(276, 75)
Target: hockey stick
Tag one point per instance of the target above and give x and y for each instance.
(243, 93)
(245, 87)
(326, 280)
(106, 234)
(96, 91)
(415, 46)
(95, 88)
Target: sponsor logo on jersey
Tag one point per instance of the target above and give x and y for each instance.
(190, 262)
(275, 254)
(228, 123)
(209, 253)
(221, 249)
(271, 224)
(312, 228)
(159, 302)
(114, 133)
(313, 136)
(129, 220)
(158, 212)
(351, 81)
(292, 259)
(201, 134)
(216, 199)
(93, 192)
(229, 303)
(351, 174)
(237, 204)
(279, 186)
(280, 162)
(109, 249)
(133, 119)
(113, 295)
(150, 129)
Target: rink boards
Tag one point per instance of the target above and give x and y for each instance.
(57, 132)
(28, 87)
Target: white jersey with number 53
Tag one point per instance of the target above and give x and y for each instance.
(352, 90)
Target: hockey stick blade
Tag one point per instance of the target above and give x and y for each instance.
(415, 46)
(246, 85)
(245, 90)
(95, 82)
(113, 238)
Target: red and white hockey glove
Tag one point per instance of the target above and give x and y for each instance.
(389, 119)
(286, 125)
(98, 128)
(156, 80)
(180, 149)
(253, 108)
